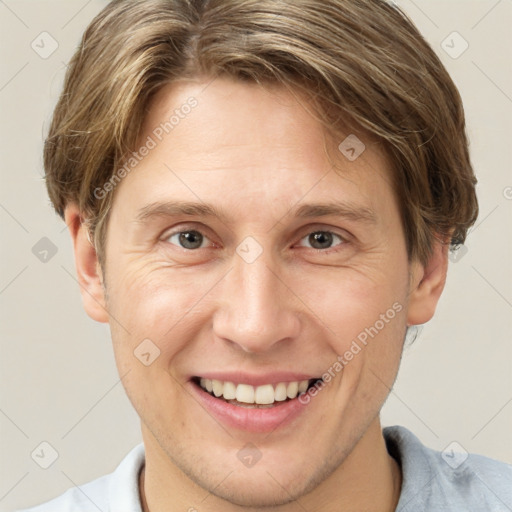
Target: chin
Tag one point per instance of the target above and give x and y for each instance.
(245, 495)
(268, 486)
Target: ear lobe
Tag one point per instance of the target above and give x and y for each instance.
(427, 284)
(87, 266)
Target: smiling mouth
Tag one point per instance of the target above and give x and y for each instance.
(245, 395)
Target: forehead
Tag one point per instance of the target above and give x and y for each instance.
(252, 144)
(232, 119)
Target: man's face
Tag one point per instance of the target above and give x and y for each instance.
(285, 270)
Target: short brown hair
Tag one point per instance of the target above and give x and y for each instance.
(361, 62)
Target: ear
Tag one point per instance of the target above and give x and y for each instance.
(426, 285)
(88, 269)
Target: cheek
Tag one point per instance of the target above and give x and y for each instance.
(354, 305)
(363, 319)
(159, 303)
(158, 313)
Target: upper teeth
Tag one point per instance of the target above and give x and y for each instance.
(248, 394)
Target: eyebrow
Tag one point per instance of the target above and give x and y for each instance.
(342, 209)
(345, 210)
(172, 209)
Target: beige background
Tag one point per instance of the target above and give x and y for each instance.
(59, 382)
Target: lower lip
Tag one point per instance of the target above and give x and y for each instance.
(249, 419)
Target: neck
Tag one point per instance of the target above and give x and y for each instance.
(368, 479)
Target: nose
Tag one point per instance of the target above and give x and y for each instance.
(256, 309)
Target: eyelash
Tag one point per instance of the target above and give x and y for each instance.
(343, 239)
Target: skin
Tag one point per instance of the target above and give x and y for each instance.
(256, 154)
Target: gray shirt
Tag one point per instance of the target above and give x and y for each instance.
(431, 482)
(449, 480)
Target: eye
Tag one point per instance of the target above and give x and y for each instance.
(321, 240)
(191, 239)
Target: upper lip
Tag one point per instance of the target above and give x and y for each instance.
(257, 379)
